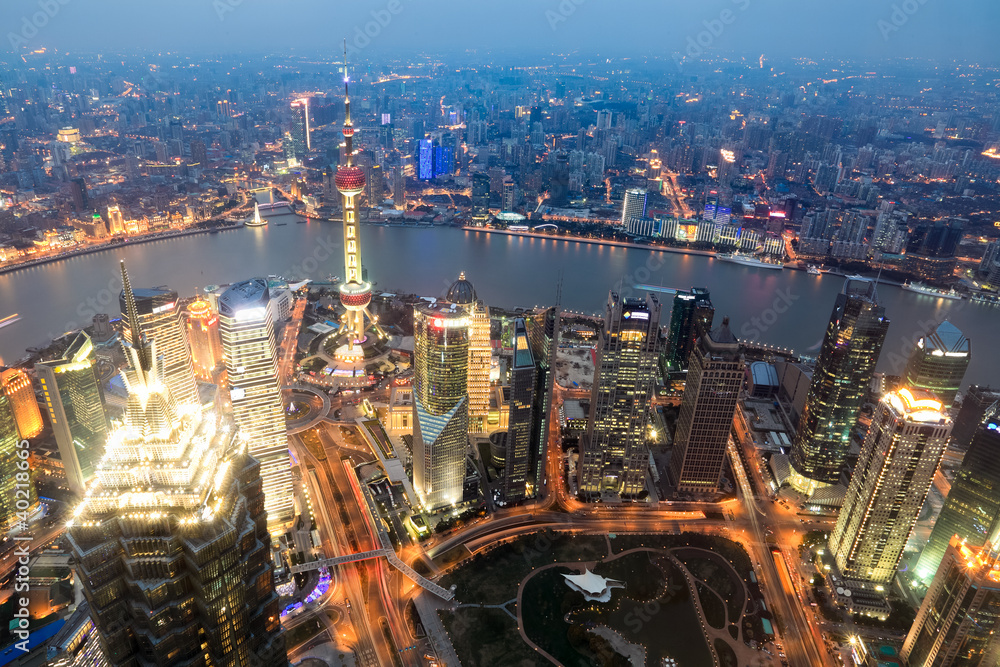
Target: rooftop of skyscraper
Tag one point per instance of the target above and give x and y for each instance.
(946, 339)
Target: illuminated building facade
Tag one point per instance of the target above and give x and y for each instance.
(17, 388)
(463, 294)
(9, 446)
(523, 385)
(846, 362)
(634, 205)
(939, 361)
(116, 221)
(440, 402)
(248, 344)
(956, 625)
(71, 389)
(690, 318)
(706, 415)
(355, 291)
(613, 457)
(972, 508)
(170, 542)
(900, 455)
(301, 132)
(203, 335)
(543, 335)
(159, 314)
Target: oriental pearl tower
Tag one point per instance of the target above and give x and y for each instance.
(355, 292)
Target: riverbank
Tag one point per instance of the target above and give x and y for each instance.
(138, 240)
(584, 239)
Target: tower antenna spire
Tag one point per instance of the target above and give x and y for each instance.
(136, 336)
(348, 137)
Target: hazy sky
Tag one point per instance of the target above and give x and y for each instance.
(936, 28)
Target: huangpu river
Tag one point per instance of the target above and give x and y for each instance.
(782, 308)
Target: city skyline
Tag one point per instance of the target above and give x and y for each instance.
(288, 435)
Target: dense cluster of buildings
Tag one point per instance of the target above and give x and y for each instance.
(176, 450)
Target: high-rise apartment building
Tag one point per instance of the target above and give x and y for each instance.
(706, 416)
(463, 294)
(16, 386)
(690, 318)
(847, 358)
(900, 455)
(248, 345)
(972, 508)
(613, 456)
(171, 543)
(508, 198)
(634, 205)
(939, 361)
(956, 625)
(523, 385)
(203, 335)
(71, 389)
(159, 313)
(440, 402)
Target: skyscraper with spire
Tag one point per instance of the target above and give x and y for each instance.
(355, 291)
(170, 542)
(158, 312)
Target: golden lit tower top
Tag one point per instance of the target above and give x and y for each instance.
(355, 291)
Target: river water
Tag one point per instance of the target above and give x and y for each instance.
(782, 308)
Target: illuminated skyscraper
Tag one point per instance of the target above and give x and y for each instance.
(854, 337)
(899, 457)
(706, 417)
(956, 625)
(71, 389)
(523, 385)
(170, 543)
(301, 132)
(939, 361)
(613, 456)
(160, 317)
(691, 318)
(355, 291)
(480, 198)
(972, 509)
(203, 335)
(463, 294)
(543, 335)
(425, 164)
(440, 402)
(17, 389)
(399, 188)
(248, 344)
(10, 510)
(634, 205)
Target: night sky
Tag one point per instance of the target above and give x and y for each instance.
(941, 29)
